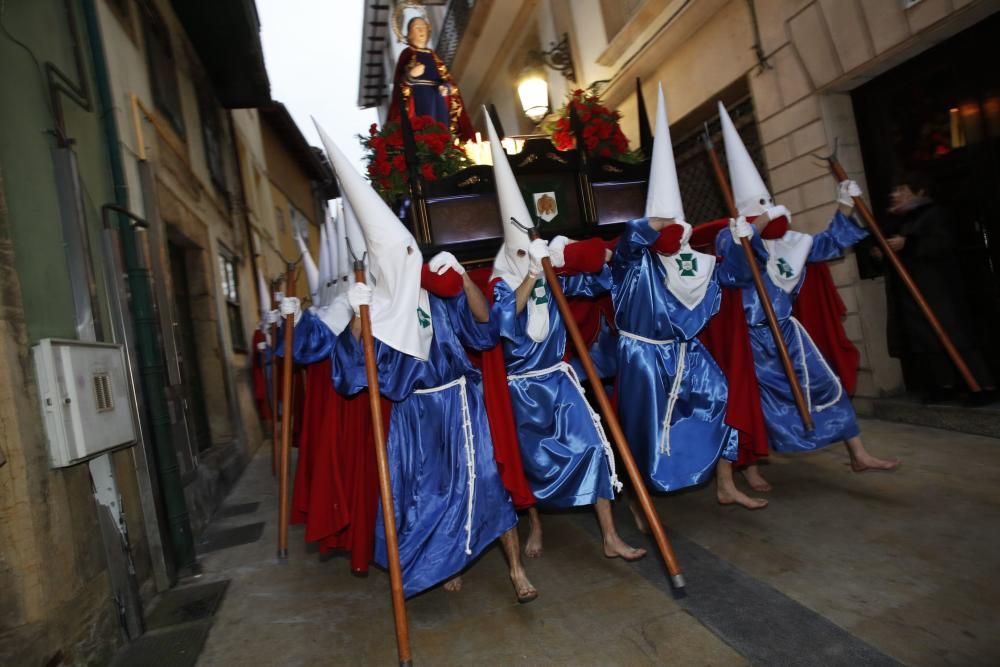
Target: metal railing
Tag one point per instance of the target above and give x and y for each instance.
(453, 28)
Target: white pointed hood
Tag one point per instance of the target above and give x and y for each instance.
(512, 261)
(508, 264)
(400, 310)
(345, 264)
(687, 273)
(325, 263)
(336, 262)
(264, 293)
(664, 197)
(354, 239)
(309, 266)
(749, 192)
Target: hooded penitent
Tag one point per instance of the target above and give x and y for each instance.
(689, 272)
(512, 261)
(344, 263)
(787, 250)
(264, 294)
(400, 310)
(309, 266)
(324, 264)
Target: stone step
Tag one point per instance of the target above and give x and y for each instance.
(948, 416)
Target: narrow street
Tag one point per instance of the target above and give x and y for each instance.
(841, 569)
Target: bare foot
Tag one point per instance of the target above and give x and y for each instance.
(756, 480)
(733, 496)
(616, 548)
(533, 547)
(866, 461)
(861, 460)
(639, 516)
(453, 585)
(522, 587)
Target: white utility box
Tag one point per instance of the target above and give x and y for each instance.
(85, 399)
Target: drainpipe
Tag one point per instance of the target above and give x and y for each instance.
(152, 369)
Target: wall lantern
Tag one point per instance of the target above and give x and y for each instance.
(533, 88)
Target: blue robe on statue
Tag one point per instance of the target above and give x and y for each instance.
(830, 406)
(566, 456)
(449, 501)
(675, 424)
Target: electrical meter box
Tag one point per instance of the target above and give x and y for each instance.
(86, 406)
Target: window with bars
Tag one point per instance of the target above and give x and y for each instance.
(162, 67)
(616, 14)
(212, 136)
(229, 277)
(700, 192)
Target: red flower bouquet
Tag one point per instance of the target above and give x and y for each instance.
(602, 134)
(437, 155)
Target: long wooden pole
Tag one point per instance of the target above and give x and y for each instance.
(611, 420)
(765, 300)
(275, 384)
(286, 420)
(385, 488)
(904, 275)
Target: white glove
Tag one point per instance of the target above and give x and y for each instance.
(443, 261)
(557, 247)
(290, 306)
(359, 294)
(273, 317)
(778, 211)
(537, 251)
(740, 228)
(261, 346)
(847, 191)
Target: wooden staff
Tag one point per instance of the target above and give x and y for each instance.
(765, 300)
(275, 425)
(286, 420)
(385, 488)
(611, 419)
(890, 254)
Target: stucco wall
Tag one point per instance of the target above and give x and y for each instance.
(56, 593)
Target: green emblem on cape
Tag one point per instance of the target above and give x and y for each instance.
(687, 263)
(784, 268)
(423, 318)
(539, 294)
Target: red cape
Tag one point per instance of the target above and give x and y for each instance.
(821, 311)
(261, 391)
(336, 482)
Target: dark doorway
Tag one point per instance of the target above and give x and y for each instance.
(940, 113)
(187, 353)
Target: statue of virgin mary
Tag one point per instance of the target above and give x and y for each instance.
(423, 82)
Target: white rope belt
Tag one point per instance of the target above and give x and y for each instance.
(651, 341)
(571, 374)
(799, 332)
(675, 388)
(470, 457)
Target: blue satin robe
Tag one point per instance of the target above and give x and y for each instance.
(830, 407)
(427, 447)
(698, 434)
(312, 341)
(561, 449)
